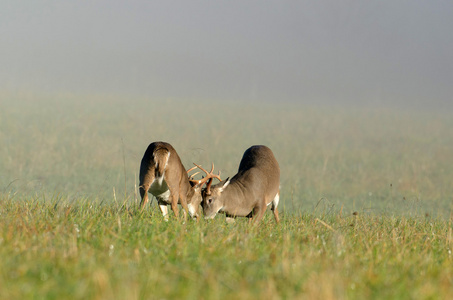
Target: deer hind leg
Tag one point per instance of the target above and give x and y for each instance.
(274, 207)
(144, 195)
(145, 183)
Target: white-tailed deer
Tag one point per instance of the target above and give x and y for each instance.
(163, 175)
(250, 191)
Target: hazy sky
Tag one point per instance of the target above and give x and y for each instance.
(382, 52)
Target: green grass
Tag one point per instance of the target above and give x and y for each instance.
(53, 250)
(69, 227)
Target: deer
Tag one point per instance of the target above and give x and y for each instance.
(255, 186)
(163, 175)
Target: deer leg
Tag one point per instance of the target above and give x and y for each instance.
(174, 200)
(145, 183)
(183, 201)
(164, 209)
(230, 219)
(250, 216)
(274, 207)
(258, 213)
(144, 196)
(174, 205)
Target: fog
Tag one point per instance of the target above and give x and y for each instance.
(384, 53)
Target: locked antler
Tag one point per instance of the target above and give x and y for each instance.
(193, 175)
(209, 177)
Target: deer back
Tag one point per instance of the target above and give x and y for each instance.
(162, 161)
(258, 173)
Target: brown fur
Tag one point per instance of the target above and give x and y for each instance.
(250, 191)
(156, 163)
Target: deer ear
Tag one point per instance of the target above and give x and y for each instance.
(227, 182)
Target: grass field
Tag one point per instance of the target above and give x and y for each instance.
(69, 227)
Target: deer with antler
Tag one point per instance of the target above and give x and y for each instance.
(163, 175)
(250, 191)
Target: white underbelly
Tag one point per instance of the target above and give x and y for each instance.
(159, 189)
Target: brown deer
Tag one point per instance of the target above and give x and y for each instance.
(163, 175)
(250, 191)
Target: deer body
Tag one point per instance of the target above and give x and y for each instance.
(250, 191)
(163, 175)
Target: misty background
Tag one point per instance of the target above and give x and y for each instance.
(386, 53)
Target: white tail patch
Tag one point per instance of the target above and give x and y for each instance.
(275, 201)
(166, 161)
(156, 162)
(160, 179)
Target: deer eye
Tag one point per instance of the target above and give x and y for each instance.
(210, 200)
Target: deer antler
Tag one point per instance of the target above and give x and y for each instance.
(193, 175)
(191, 169)
(208, 178)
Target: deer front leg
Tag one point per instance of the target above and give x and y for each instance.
(230, 220)
(174, 203)
(258, 213)
(174, 206)
(164, 209)
(183, 201)
(174, 200)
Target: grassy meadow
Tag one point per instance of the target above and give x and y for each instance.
(366, 201)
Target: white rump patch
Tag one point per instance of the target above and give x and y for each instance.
(166, 162)
(275, 201)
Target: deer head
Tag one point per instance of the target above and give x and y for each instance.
(195, 193)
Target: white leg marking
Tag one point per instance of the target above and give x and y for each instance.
(164, 210)
(230, 220)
